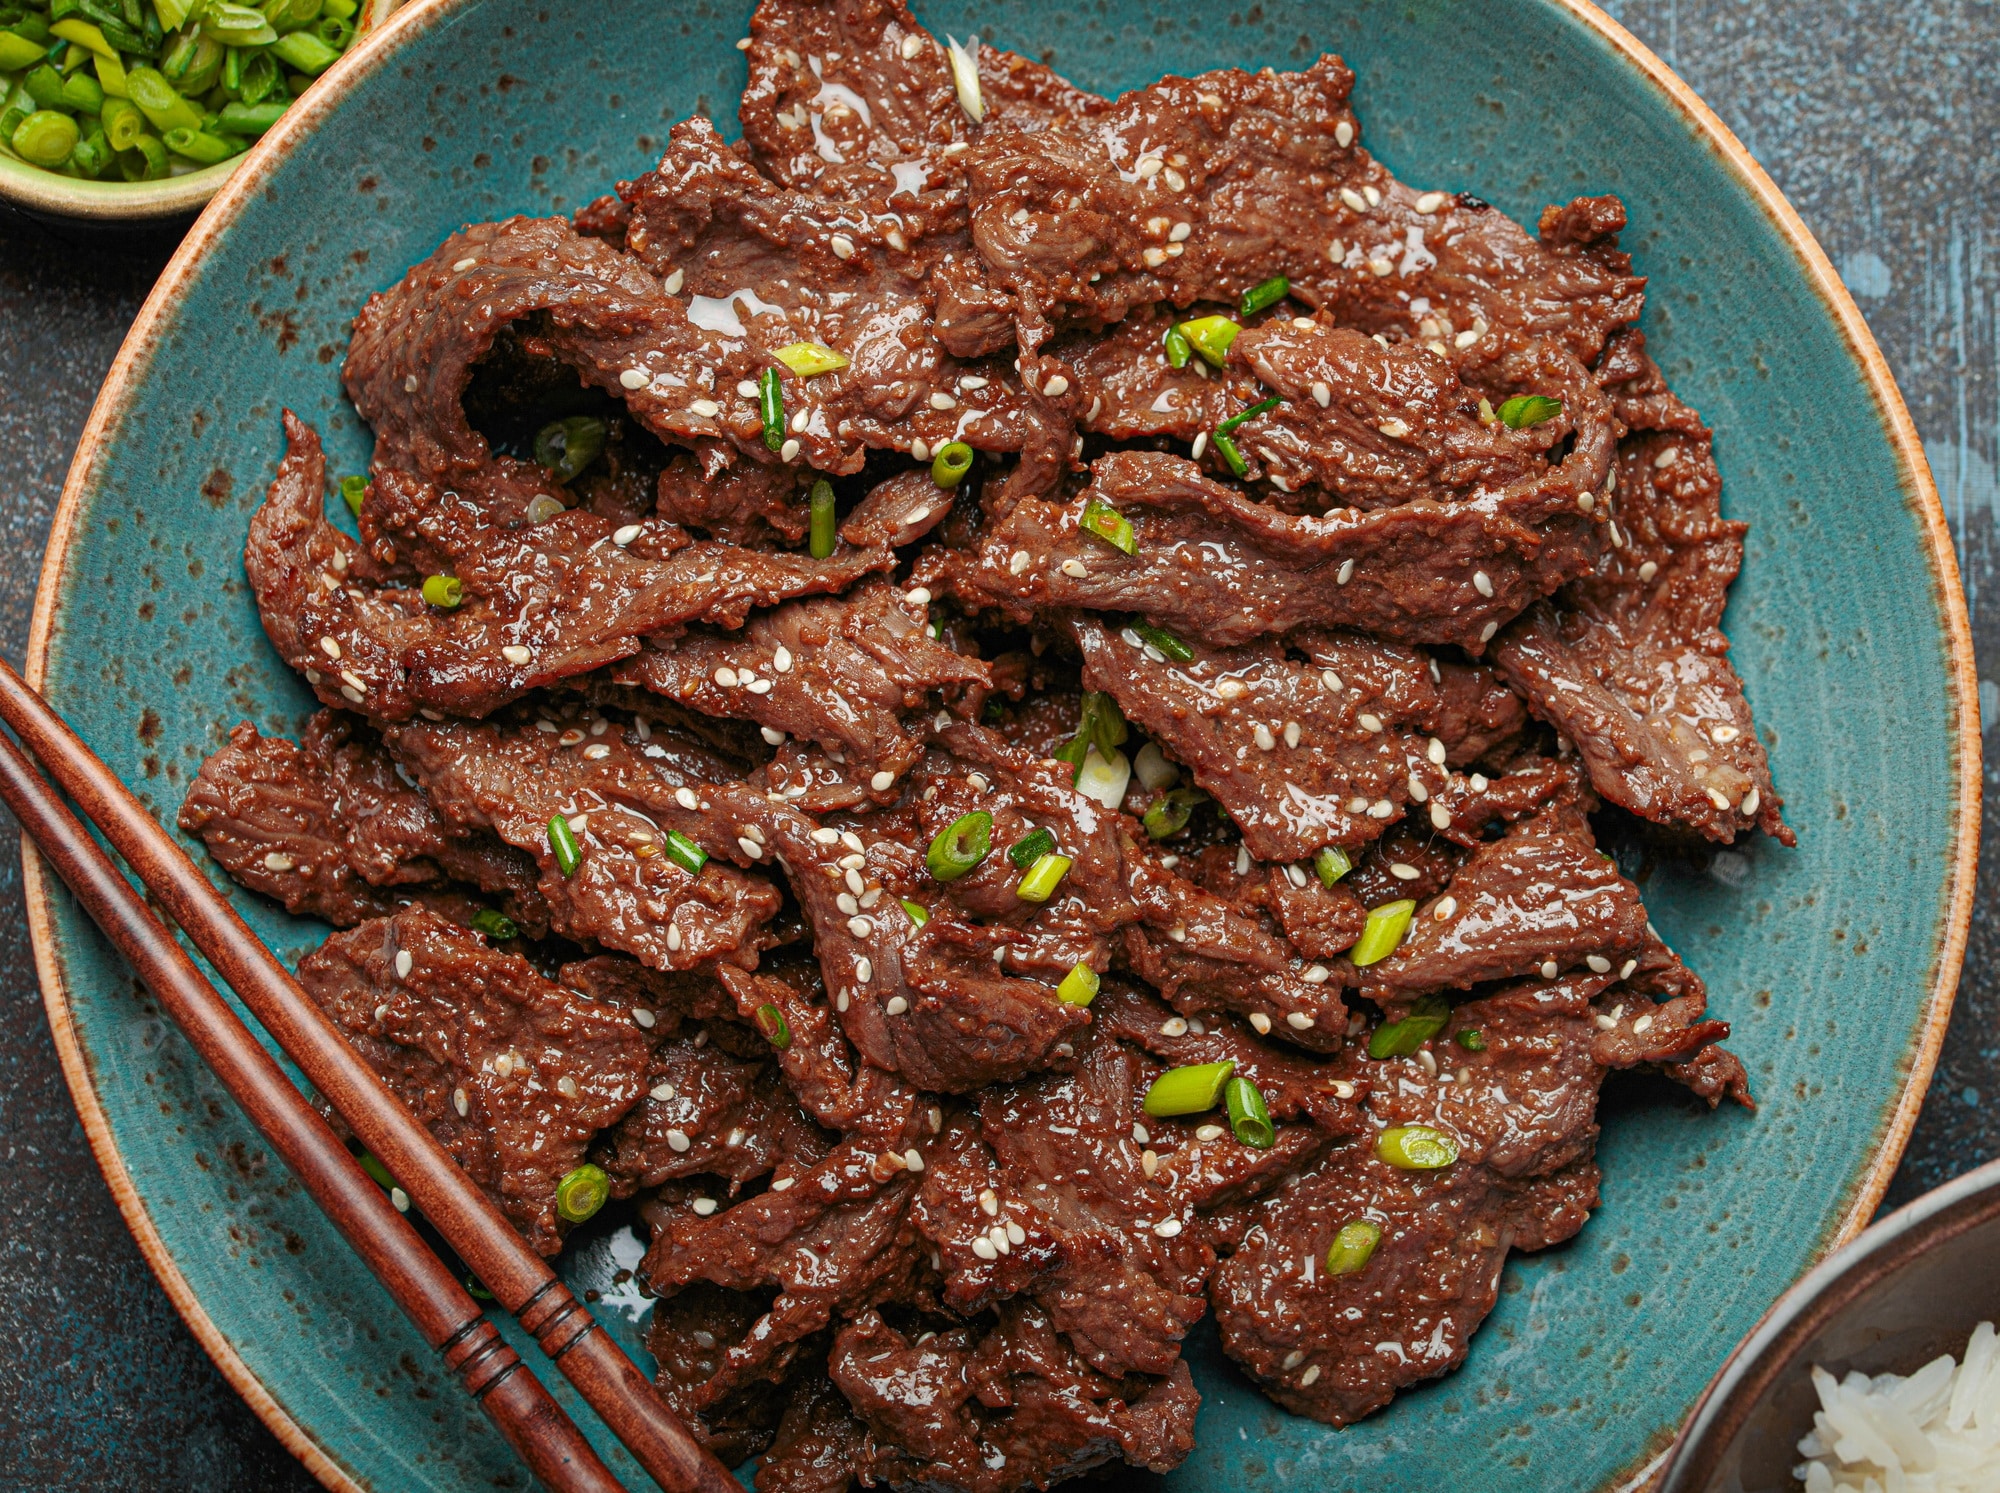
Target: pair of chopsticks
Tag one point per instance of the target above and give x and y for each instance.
(434, 1299)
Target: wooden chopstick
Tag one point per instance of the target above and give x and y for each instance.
(518, 1278)
(447, 1316)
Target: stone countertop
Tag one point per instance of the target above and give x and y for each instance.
(1877, 121)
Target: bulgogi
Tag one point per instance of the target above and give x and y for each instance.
(991, 701)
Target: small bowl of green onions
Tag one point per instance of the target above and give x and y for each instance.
(135, 111)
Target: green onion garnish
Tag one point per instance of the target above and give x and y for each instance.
(952, 462)
(372, 1165)
(1524, 410)
(1079, 986)
(1468, 1037)
(1401, 1039)
(809, 358)
(1210, 336)
(355, 491)
(1108, 524)
(475, 1290)
(820, 542)
(1165, 641)
(958, 849)
(1170, 812)
(1352, 1247)
(1042, 878)
(566, 447)
(1250, 414)
(563, 843)
(1330, 864)
(684, 853)
(1178, 350)
(1416, 1148)
(919, 914)
(772, 1024)
(1386, 926)
(1102, 723)
(494, 924)
(771, 406)
(1258, 297)
(1188, 1091)
(443, 591)
(1248, 1116)
(1231, 457)
(580, 1194)
(1030, 848)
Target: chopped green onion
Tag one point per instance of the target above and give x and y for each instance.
(1401, 1039)
(1231, 457)
(353, 490)
(965, 76)
(475, 1290)
(1178, 350)
(1416, 1148)
(199, 145)
(1030, 848)
(237, 26)
(1469, 1038)
(952, 462)
(1258, 297)
(1102, 723)
(1248, 1116)
(145, 161)
(1524, 410)
(1384, 933)
(372, 1165)
(123, 125)
(45, 138)
(544, 506)
(820, 542)
(17, 52)
(1352, 1247)
(1210, 336)
(1042, 879)
(1330, 864)
(809, 358)
(1108, 524)
(443, 591)
(85, 35)
(494, 924)
(961, 847)
(919, 914)
(684, 853)
(158, 100)
(82, 92)
(1165, 642)
(566, 447)
(1104, 779)
(92, 156)
(44, 86)
(1188, 1091)
(250, 120)
(1079, 987)
(771, 407)
(772, 1025)
(1153, 768)
(582, 1192)
(1260, 407)
(1170, 812)
(562, 843)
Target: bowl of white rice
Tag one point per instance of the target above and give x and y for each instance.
(1879, 1372)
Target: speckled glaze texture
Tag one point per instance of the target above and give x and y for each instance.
(1835, 962)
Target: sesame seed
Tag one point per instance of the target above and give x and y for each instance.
(1482, 583)
(726, 677)
(1395, 430)
(400, 1198)
(1075, 568)
(1167, 1228)
(1428, 1063)
(626, 535)
(1174, 1026)
(1261, 1022)
(1625, 969)
(883, 781)
(1380, 267)
(789, 452)
(1174, 180)
(1354, 199)
(1291, 733)
(1293, 1359)
(502, 1065)
(852, 841)
(846, 903)
(1550, 969)
(1298, 1021)
(514, 653)
(914, 1160)
(1316, 974)
(410, 383)
(403, 964)
(1749, 804)
(1344, 574)
(673, 283)
(747, 389)
(1478, 782)
(1642, 1026)
(983, 1247)
(1343, 134)
(1720, 799)
(678, 1139)
(664, 1091)
(1370, 722)
(842, 246)
(771, 735)
(330, 647)
(597, 751)
(635, 378)
(1440, 816)
(750, 847)
(1148, 167)
(912, 44)
(461, 1101)
(708, 409)
(1430, 202)
(1321, 393)
(897, 1005)
(1208, 1132)
(1149, 1162)
(758, 686)
(1604, 1023)
(1598, 964)
(864, 971)
(1265, 740)
(277, 860)
(1446, 906)
(1200, 445)
(644, 1017)
(1486, 632)
(579, 822)
(566, 1086)
(1648, 570)
(703, 1206)
(1332, 681)
(1307, 1379)
(1404, 871)
(1667, 458)
(861, 927)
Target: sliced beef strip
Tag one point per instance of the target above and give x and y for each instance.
(514, 1074)
(689, 1335)
(328, 828)
(1301, 753)
(747, 504)
(839, 671)
(1540, 898)
(624, 893)
(1129, 392)
(1211, 563)
(1523, 1114)
(1653, 1017)
(819, 1443)
(1629, 661)
(561, 596)
(1478, 717)
(1011, 1408)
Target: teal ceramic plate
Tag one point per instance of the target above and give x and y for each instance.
(1834, 962)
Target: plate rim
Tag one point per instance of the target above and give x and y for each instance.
(1919, 491)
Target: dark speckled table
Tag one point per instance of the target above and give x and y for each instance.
(1877, 120)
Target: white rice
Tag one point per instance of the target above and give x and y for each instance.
(1938, 1431)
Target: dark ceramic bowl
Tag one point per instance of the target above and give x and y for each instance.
(1910, 1288)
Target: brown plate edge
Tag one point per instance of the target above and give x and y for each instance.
(1919, 491)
